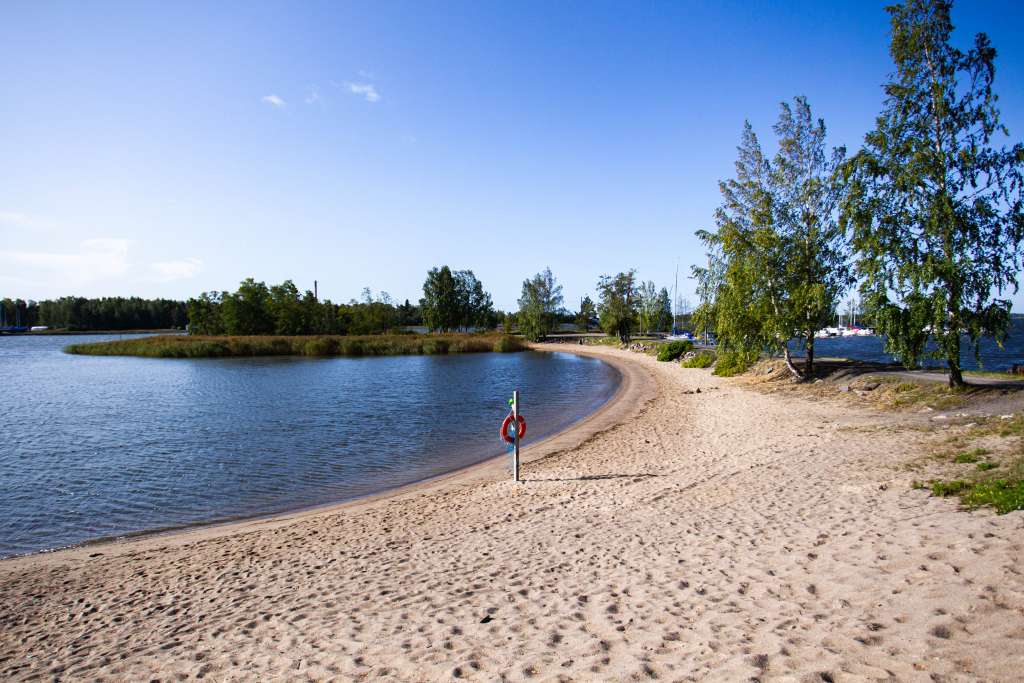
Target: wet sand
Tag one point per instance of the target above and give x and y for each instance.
(721, 535)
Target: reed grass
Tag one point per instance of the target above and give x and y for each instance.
(181, 346)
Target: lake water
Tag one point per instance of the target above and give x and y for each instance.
(94, 447)
(993, 357)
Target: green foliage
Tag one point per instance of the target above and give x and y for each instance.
(539, 304)
(777, 258)
(107, 313)
(374, 345)
(440, 302)
(1001, 494)
(618, 305)
(663, 316)
(436, 346)
(247, 311)
(986, 466)
(255, 309)
(969, 456)
(586, 314)
(949, 488)
(506, 344)
(934, 209)
(647, 307)
(701, 359)
(731, 363)
(18, 313)
(673, 350)
(455, 300)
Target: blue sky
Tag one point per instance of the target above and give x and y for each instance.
(164, 149)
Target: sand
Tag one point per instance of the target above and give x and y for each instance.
(721, 535)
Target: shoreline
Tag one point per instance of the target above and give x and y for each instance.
(577, 432)
(698, 530)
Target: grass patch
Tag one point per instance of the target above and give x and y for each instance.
(602, 341)
(970, 457)
(949, 488)
(1008, 376)
(376, 345)
(1004, 494)
(901, 394)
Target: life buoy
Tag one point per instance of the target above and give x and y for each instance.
(508, 438)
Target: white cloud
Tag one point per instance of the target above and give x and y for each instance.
(367, 90)
(273, 100)
(24, 221)
(96, 259)
(314, 95)
(14, 218)
(182, 269)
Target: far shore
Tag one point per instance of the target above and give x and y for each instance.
(59, 332)
(692, 528)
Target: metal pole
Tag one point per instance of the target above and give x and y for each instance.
(515, 429)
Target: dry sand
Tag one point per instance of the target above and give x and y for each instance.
(725, 535)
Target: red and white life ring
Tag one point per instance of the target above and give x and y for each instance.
(508, 438)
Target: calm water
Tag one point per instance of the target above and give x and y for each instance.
(873, 349)
(93, 447)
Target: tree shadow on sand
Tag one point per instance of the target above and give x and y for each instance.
(597, 477)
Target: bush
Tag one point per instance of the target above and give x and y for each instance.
(435, 346)
(672, 350)
(732, 363)
(321, 346)
(701, 359)
(507, 344)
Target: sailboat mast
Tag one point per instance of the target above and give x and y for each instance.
(675, 297)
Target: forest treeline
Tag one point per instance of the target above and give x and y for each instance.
(107, 313)
(452, 301)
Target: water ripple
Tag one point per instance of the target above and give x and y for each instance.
(94, 447)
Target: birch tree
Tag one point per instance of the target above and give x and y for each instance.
(777, 257)
(934, 208)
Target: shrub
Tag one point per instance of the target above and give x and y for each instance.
(701, 359)
(435, 346)
(732, 363)
(507, 344)
(672, 350)
(321, 346)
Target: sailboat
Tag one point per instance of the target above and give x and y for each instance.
(677, 334)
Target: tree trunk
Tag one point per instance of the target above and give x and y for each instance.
(789, 363)
(809, 362)
(956, 377)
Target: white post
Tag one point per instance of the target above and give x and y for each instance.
(515, 430)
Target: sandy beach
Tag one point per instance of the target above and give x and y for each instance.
(721, 535)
